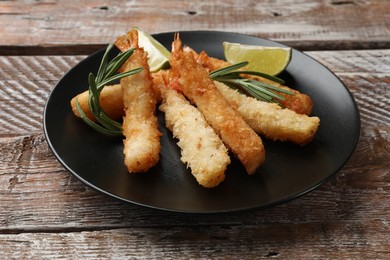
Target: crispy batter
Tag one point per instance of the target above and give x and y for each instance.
(140, 126)
(111, 98)
(299, 102)
(201, 90)
(110, 101)
(201, 148)
(160, 79)
(269, 119)
(126, 42)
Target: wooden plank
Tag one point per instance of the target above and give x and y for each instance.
(80, 27)
(25, 84)
(297, 241)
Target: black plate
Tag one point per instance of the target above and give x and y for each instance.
(289, 170)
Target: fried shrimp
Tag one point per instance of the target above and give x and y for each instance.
(201, 148)
(298, 102)
(140, 126)
(269, 119)
(197, 86)
(160, 79)
(110, 100)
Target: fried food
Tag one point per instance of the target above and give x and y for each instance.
(201, 148)
(269, 119)
(111, 98)
(206, 117)
(140, 126)
(160, 80)
(195, 82)
(110, 101)
(299, 102)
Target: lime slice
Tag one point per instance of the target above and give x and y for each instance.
(269, 60)
(158, 55)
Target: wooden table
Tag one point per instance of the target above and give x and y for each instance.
(46, 212)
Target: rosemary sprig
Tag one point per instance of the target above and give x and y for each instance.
(105, 75)
(231, 76)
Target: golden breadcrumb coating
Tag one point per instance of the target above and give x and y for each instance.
(140, 126)
(110, 100)
(269, 119)
(299, 102)
(201, 148)
(201, 91)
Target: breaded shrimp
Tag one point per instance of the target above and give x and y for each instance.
(140, 126)
(110, 100)
(299, 102)
(160, 79)
(201, 148)
(201, 91)
(269, 119)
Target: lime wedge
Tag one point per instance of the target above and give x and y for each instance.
(269, 60)
(158, 55)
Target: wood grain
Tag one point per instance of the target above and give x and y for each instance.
(46, 212)
(25, 84)
(254, 242)
(80, 27)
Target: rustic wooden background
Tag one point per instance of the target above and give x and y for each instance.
(77, 27)
(45, 212)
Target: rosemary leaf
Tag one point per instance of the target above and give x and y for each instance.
(119, 76)
(256, 73)
(103, 63)
(117, 62)
(232, 76)
(108, 123)
(92, 84)
(105, 75)
(259, 95)
(226, 70)
(93, 125)
(271, 87)
(258, 86)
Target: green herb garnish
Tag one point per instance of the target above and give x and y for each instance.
(105, 75)
(231, 76)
